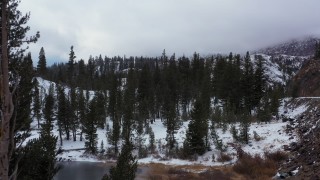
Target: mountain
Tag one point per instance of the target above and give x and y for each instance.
(283, 61)
(296, 47)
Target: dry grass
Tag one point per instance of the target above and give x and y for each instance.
(194, 172)
(257, 167)
(223, 157)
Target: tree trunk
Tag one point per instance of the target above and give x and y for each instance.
(6, 97)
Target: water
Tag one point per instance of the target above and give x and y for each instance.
(90, 170)
(82, 171)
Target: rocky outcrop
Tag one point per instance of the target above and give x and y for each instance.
(306, 82)
(304, 159)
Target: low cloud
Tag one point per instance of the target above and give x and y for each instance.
(146, 27)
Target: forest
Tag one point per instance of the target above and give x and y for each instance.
(132, 92)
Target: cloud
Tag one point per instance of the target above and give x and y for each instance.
(146, 27)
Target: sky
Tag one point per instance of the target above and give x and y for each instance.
(146, 27)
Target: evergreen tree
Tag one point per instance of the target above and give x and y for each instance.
(48, 112)
(90, 128)
(114, 100)
(39, 156)
(184, 84)
(264, 110)
(144, 97)
(259, 81)
(195, 134)
(247, 84)
(42, 63)
(244, 128)
(170, 103)
(82, 110)
(101, 109)
(126, 165)
(63, 114)
(275, 101)
(128, 104)
(71, 64)
(39, 159)
(72, 110)
(216, 139)
(23, 97)
(36, 101)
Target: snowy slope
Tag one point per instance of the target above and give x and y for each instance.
(280, 68)
(273, 138)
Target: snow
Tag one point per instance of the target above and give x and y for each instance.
(272, 134)
(273, 138)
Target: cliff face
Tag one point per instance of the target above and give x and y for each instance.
(306, 82)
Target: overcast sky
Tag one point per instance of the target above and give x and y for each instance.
(146, 27)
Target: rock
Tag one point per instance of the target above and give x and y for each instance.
(286, 148)
(283, 175)
(291, 137)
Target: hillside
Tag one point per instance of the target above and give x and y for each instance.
(273, 137)
(304, 155)
(306, 82)
(284, 60)
(207, 111)
(296, 47)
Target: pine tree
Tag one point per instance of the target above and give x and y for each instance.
(263, 112)
(247, 84)
(13, 36)
(90, 128)
(126, 165)
(259, 81)
(114, 100)
(144, 97)
(170, 104)
(244, 128)
(42, 63)
(82, 110)
(128, 105)
(39, 159)
(74, 122)
(184, 84)
(36, 101)
(63, 115)
(101, 109)
(275, 101)
(23, 97)
(48, 111)
(216, 139)
(195, 134)
(71, 64)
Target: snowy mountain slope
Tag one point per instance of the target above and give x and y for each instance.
(284, 60)
(280, 68)
(295, 47)
(273, 137)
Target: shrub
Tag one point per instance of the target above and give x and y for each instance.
(256, 167)
(276, 156)
(223, 157)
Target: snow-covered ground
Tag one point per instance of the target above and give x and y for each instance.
(273, 138)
